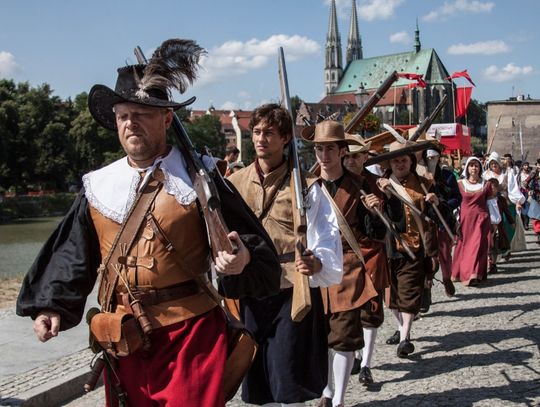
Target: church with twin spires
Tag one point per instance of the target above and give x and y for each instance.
(349, 83)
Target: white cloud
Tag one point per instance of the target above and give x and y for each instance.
(228, 105)
(378, 9)
(508, 73)
(243, 94)
(234, 58)
(367, 9)
(8, 65)
(459, 7)
(400, 37)
(484, 48)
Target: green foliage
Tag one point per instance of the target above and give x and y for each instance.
(35, 206)
(47, 141)
(476, 116)
(370, 125)
(478, 145)
(205, 132)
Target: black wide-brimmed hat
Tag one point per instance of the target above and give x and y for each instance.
(173, 65)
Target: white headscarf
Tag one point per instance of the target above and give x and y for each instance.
(466, 172)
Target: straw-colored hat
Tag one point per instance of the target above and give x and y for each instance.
(363, 147)
(328, 131)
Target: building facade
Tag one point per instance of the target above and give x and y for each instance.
(514, 127)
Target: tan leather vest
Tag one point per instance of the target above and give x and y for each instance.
(412, 234)
(155, 267)
(272, 201)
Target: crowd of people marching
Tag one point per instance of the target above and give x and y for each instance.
(309, 284)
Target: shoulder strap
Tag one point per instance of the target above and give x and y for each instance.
(110, 267)
(344, 226)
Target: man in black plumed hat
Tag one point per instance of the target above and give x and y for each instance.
(177, 355)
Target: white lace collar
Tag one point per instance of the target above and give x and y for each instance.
(111, 190)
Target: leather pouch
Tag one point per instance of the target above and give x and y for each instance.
(118, 333)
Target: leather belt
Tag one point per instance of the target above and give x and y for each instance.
(152, 296)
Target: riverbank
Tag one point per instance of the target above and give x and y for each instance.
(9, 290)
(30, 206)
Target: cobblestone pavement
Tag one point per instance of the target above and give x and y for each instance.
(479, 348)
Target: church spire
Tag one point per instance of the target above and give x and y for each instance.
(354, 43)
(333, 67)
(417, 45)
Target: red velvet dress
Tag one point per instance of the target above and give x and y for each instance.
(471, 253)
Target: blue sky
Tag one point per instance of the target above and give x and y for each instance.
(74, 44)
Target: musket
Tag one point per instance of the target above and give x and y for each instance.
(301, 301)
(408, 204)
(203, 184)
(389, 225)
(371, 102)
(494, 134)
(439, 215)
(424, 126)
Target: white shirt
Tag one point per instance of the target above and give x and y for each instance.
(323, 239)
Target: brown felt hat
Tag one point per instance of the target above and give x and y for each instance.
(328, 131)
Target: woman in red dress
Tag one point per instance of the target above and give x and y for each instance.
(471, 254)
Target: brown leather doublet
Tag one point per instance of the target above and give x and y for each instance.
(271, 203)
(150, 265)
(349, 294)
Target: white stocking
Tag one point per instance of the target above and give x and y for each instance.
(369, 346)
(343, 362)
(405, 331)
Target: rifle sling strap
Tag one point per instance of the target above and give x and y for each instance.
(344, 226)
(123, 242)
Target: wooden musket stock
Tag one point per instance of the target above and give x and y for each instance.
(203, 184)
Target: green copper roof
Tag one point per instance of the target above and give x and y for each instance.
(373, 71)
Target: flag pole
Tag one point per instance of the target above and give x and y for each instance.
(453, 98)
(394, 111)
(412, 105)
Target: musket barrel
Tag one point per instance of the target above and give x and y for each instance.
(424, 126)
(372, 101)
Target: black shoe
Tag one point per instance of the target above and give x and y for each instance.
(426, 300)
(356, 366)
(405, 348)
(365, 376)
(394, 339)
(449, 288)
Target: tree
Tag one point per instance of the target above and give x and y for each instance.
(205, 131)
(476, 117)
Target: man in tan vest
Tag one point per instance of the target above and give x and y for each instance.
(165, 269)
(343, 302)
(292, 365)
(409, 276)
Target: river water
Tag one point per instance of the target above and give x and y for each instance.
(20, 242)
